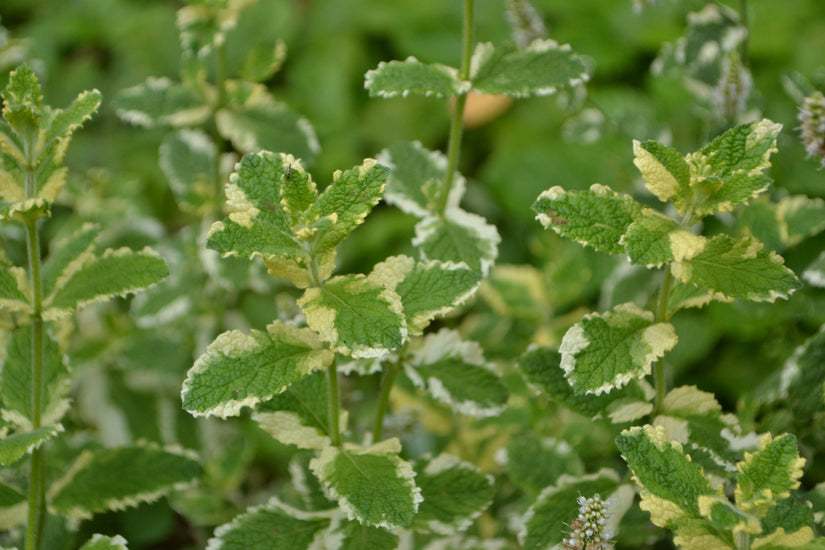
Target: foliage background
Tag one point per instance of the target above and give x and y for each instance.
(728, 349)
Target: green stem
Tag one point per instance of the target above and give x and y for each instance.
(743, 541)
(457, 122)
(334, 430)
(387, 383)
(661, 317)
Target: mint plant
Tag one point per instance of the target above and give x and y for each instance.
(37, 301)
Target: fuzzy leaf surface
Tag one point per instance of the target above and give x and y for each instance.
(67, 255)
(598, 217)
(113, 479)
(542, 68)
(769, 474)
(373, 485)
(65, 121)
(533, 462)
(664, 170)
(187, 158)
(13, 289)
(268, 125)
(14, 447)
(273, 525)
(240, 369)
(738, 268)
(357, 536)
(357, 315)
(458, 237)
(160, 102)
(605, 351)
(401, 78)
(648, 240)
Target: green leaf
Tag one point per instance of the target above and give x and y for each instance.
(401, 78)
(800, 217)
(802, 539)
(768, 474)
(533, 462)
(357, 315)
(598, 217)
(113, 479)
(273, 525)
(16, 380)
(23, 101)
(428, 289)
(161, 102)
(270, 125)
(65, 121)
(814, 274)
(300, 414)
(16, 446)
(115, 273)
(416, 176)
(517, 292)
(738, 268)
(187, 158)
(68, 254)
(458, 236)
(724, 515)
(101, 542)
(13, 507)
(14, 288)
(542, 68)
(654, 239)
(372, 485)
(352, 535)
(547, 521)
(240, 369)
(802, 380)
(685, 295)
(664, 170)
(455, 373)
(455, 493)
(605, 351)
(263, 60)
(671, 484)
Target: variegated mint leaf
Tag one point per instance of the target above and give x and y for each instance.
(768, 474)
(415, 173)
(458, 236)
(814, 274)
(357, 315)
(13, 507)
(730, 170)
(542, 68)
(686, 295)
(61, 123)
(161, 102)
(725, 516)
(14, 289)
(802, 381)
(272, 525)
(800, 217)
(548, 520)
(401, 78)
(779, 539)
(534, 462)
(738, 268)
(300, 414)
(263, 60)
(240, 369)
(648, 240)
(598, 217)
(187, 158)
(115, 273)
(428, 289)
(102, 542)
(606, 350)
(14, 447)
(114, 479)
(353, 535)
(455, 373)
(68, 254)
(23, 101)
(373, 485)
(455, 493)
(664, 170)
(16, 381)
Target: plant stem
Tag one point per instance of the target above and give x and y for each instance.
(743, 541)
(217, 139)
(334, 429)
(661, 317)
(456, 124)
(387, 383)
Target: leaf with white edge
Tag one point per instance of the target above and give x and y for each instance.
(547, 521)
(102, 542)
(300, 415)
(664, 170)
(542, 68)
(458, 236)
(16, 446)
(738, 268)
(263, 60)
(373, 485)
(16, 381)
(800, 217)
(306, 484)
(269, 125)
(802, 539)
(63, 122)
(724, 515)
(598, 217)
(517, 292)
(115, 273)
(814, 274)
(455, 493)
(68, 254)
(606, 350)
(428, 289)
(14, 288)
(730, 170)
(455, 373)
(793, 513)
(23, 101)
(768, 474)
(240, 369)
(347, 201)
(357, 315)
(686, 295)
(533, 462)
(353, 535)
(114, 479)
(655, 239)
(401, 78)
(272, 525)
(802, 380)
(160, 102)
(13, 507)
(415, 177)
(671, 483)
(187, 158)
